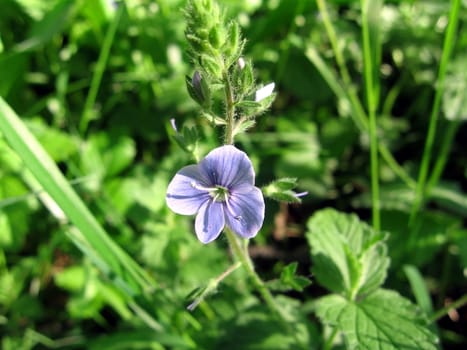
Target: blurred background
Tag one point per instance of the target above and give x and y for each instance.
(97, 83)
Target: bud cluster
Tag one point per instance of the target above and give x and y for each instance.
(222, 77)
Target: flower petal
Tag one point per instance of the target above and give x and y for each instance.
(210, 221)
(229, 167)
(181, 196)
(245, 213)
(264, 92)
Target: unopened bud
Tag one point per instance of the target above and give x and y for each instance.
(241, 63)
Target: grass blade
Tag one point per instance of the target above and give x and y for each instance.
(110, 256)
(448, 47)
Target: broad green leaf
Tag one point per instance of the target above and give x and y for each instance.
(384, 320)
(349, 256)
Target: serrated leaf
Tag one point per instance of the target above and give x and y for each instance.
(349, 256)
(384, 320)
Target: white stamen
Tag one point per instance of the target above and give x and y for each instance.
(202, 188)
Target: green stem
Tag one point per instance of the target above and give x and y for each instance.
(448, 45)
(99, 70)
(333, 40)
(445, 310)
(372, 100)
(328, 344)
(346, 91)
(240, 250)
(230, 110)
(442, 158)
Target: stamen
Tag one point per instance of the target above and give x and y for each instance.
(202, 188)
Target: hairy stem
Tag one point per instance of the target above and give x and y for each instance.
(230, 110)
(240, 250)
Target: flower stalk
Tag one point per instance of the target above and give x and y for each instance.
(240, 250)
(220, 189)
(230, 110)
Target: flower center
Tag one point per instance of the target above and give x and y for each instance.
(219, 193)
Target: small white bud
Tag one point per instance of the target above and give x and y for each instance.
(241, 63)
(264, 92)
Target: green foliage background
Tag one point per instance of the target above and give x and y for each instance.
(97, 84)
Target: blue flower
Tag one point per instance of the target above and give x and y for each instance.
(221, 191)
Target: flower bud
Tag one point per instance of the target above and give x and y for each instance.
(198, 88)
(216, 39)
(241, 63)
(211, 66)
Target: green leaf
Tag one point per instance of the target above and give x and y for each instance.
(384, 320)
(103, 250)
(419, 288)
(282, 190)
(51, 24)
(349, 256)
(107, 154)
(139, 339)
(429, 234)
(72, 278)
(59, 145)
(289, 278)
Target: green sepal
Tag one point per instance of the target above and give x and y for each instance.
(216, 37)
(187, 139)
(211, 65)
(213, 118)
(282, 190)
(286, 183)
(198, 89)
(242, 126)
(289, 280)
(248, 105)
(234, 45)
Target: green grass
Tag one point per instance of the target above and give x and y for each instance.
(368, 117)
